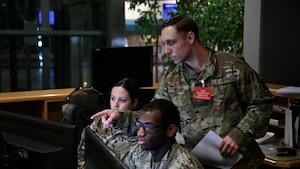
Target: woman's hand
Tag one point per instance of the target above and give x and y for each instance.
(109, 117)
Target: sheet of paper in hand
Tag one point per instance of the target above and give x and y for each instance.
(208, 153)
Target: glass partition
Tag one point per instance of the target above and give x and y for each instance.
(48, 44)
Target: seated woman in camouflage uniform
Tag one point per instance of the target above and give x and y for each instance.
(124, 96)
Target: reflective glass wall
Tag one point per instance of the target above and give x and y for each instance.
(48, 43)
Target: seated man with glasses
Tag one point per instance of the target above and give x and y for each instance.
(157, 148)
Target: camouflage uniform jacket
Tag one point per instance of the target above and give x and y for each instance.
(119, 140)
(177, 157)
(240, 104)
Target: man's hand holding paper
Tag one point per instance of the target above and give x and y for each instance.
(208, 153)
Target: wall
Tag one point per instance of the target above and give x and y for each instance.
(252, 32)
(271, 40)
(279, 42)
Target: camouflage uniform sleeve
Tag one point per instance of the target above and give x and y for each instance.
(81, 151)
(137, 157)
(185, 160)
(126, 123)
(259, 100)
(127, 120)
(128, 158)
(161, 92)
(95, 125)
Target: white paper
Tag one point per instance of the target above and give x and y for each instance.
(269, 136)
(268, 148)
(289, 90)
(208, 153)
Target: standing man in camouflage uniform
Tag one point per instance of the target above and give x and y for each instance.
(157, 148)
(213, 90)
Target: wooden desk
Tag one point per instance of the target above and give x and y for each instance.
(39, 103)
(285, 100)
(274, 87)
(46, 104)
(270, 163)
(282, 164)
(154, 87)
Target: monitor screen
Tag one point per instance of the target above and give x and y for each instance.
(168, 9)
(51, 17)
(35, 143)
(110, 65)
(98, 154)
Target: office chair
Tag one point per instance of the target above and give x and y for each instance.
(79, 106)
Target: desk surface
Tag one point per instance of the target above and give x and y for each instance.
(20, 96)
(274, 87)
(282, 164)
(274, 161)
(154, 87)
(7, 97)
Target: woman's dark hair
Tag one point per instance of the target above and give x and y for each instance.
(131, 86)
(169, 112)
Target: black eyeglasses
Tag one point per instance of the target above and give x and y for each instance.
(147, 126)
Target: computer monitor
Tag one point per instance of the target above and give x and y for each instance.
(110, 65)
(169, 8)
(98, 155)
(29, 142)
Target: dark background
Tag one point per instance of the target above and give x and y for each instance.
(280, 35)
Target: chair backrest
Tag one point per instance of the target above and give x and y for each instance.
(79, 106)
